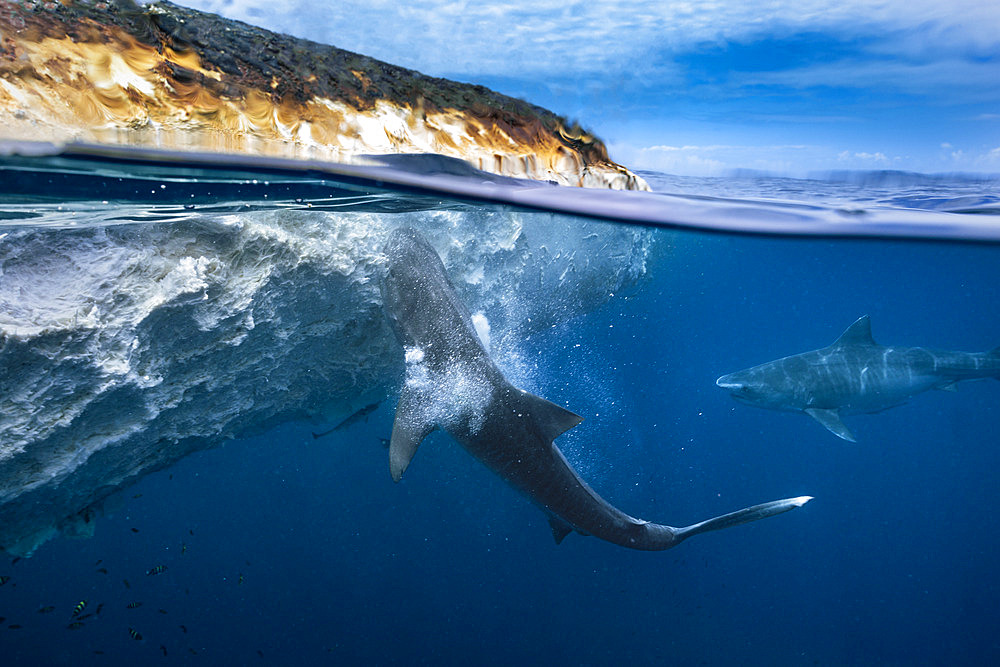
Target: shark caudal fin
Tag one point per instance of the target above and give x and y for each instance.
(745, 515)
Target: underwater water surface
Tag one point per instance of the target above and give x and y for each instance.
(169, 354)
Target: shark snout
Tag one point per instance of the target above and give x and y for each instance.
(727, 382)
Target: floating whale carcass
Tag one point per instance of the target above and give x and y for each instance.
(855, 375)
(452, 383)
(128, 343)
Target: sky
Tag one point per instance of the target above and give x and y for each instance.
(704, 88)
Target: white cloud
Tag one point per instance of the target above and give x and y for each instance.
(530, 37)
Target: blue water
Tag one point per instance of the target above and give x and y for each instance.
(285, 549)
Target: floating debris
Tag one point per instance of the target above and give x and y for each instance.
(80, 606)
(135, 635)
(47, 609)
(75, 625)
(156, 569)
(134, 605)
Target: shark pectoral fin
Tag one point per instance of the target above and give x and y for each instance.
(551, 419)
(560, 528)
(408, 431)
(831, 420)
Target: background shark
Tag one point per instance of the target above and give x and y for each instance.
(855, 375)
(452, 383)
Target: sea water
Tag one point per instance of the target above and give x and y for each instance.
(172, 339)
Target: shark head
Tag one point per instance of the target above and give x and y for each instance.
(755, 387)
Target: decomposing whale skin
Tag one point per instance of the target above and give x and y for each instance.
(855, 375)
(158, 75)
(452, 383)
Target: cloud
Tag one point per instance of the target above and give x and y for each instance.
(562, 36)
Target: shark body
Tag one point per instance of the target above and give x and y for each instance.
(453, 384)
(855, 375)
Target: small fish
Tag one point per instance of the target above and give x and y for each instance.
(99, 561)
(138, 495)
(83, 617)
(190, 532)
(171, 476)
(260, 653)
(127, 585)
(75, 625)
(46, 609)
(99, 608)
(135, 635)
(102, 570)
(4, 579)
(135, 530)
(184, 629)
(16, 559)
(134, 605)
(80, 606)
(2, 619)
(98, 652)
(241, 580)
(351, 420)
(193, 652)
(184, 548)
(156, 569)
(162, 611)
(14, 627)
(164, 649)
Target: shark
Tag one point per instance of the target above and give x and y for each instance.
(451, 383)
(855, 375)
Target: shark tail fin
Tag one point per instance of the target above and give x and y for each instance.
(745, 515)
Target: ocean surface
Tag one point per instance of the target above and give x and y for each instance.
(197, 383)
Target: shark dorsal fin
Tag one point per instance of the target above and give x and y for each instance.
(552, 420)
(859, 333)
(408, 430)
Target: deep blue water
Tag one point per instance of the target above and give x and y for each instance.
(285, 549)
